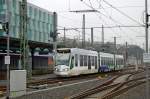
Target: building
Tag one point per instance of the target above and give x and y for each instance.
(41, 25)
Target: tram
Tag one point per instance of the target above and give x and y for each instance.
(75, 61)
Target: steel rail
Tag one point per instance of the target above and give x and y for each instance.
(105, 86)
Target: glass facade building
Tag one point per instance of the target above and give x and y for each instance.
(40, 24)
(40, 21)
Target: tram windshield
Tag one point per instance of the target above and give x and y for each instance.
(62, 59)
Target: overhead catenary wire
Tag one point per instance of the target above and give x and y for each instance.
(125, 26)
(110, 18)
(118, 27)
(122, 12)
(101, 18)
(118, 22)
(102, 13)
(106, 12)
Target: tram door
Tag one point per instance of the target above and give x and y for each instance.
(89, 62)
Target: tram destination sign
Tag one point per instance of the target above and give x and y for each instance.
(146, 57)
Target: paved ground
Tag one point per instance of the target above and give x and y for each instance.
(135, 93)
(38, 77)
(60, 92)
(99, 95)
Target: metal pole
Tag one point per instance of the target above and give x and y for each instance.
(64, 36)
(83, 31)
(146, 40)
(137, 57)
(114, 53)
(8, 70)
(146, 25)
(102, 34)
(92, 37)
(8, 44)
(55, 34)
(55, 51)
(126, 54)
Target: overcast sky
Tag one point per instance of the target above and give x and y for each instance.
(107, 16)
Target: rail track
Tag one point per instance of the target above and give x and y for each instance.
(91, 91)
(113, 89)
(123, 87)
(58, 80)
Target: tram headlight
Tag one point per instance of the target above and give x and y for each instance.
(66, 69)
(56, 69)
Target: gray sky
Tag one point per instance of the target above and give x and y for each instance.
(133, 8)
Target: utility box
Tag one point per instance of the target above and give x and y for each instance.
(17, 83)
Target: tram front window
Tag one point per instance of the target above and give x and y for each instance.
(62, 59)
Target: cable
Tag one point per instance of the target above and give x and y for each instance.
(107, 13)
(116, 26)
(102, 14)
(90, 3)
(98, 15)
(122, 13)
(111, 17)
(99, 3)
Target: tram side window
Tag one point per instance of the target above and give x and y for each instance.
(85, 60)
(111, 61)
(121, 61)
(105, 61)
(92, 60)
(117, 62)
(108, 61)
(95, 62)
(76, 60)
(89, 61)
(81, 60)
(102, 61)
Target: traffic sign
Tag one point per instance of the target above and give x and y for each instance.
(7, 60)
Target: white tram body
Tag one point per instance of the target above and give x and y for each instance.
(119, 62)
(75, 61)
(106, 62)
